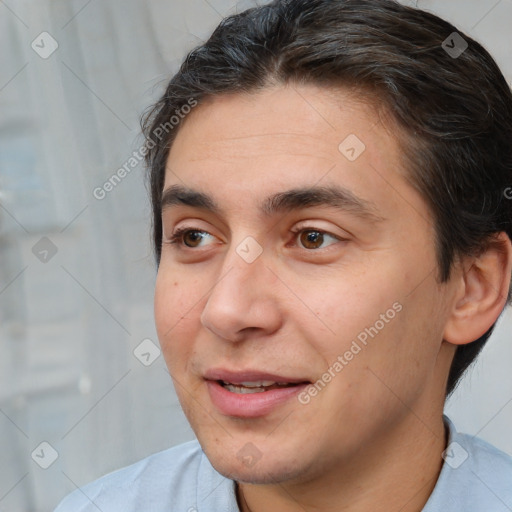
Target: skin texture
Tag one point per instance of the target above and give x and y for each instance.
(372, 438)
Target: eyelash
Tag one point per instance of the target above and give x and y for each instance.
(177, 237)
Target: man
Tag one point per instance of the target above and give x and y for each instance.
(332, 231)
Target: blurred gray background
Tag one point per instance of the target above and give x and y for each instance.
(77, 273)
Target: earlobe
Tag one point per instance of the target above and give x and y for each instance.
(482, 295)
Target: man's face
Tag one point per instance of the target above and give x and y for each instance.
(343, 295)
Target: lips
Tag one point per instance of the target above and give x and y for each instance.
(254, 387)
(250, 393)
(250, 376)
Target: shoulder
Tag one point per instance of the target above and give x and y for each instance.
(168, 480)
(475, 476)
(492, 467)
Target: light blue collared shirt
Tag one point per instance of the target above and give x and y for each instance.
(475, 477)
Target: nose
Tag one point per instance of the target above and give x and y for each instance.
(243, 301)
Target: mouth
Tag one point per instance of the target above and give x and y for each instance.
(254, 387)
(251, 394)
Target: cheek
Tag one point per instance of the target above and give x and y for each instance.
(175, 307)
(165, 302)
(372, 319)
(345, 308)
(176, 298)
(402, 356)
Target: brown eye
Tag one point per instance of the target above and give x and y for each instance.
(188, 238)
(311, 239)
(192, 238)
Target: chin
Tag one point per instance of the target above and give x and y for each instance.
(259, 476)
(258, 472)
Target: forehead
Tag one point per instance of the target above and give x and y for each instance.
(253, 145)
(302, 120)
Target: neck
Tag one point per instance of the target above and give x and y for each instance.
(395, 472)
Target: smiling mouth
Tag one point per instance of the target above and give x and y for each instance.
(255, 387)
(251, 393)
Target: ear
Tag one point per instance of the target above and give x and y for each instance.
(481, 292)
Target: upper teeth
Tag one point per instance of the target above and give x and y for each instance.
(254, 384)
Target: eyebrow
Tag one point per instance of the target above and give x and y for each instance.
(287, 201)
